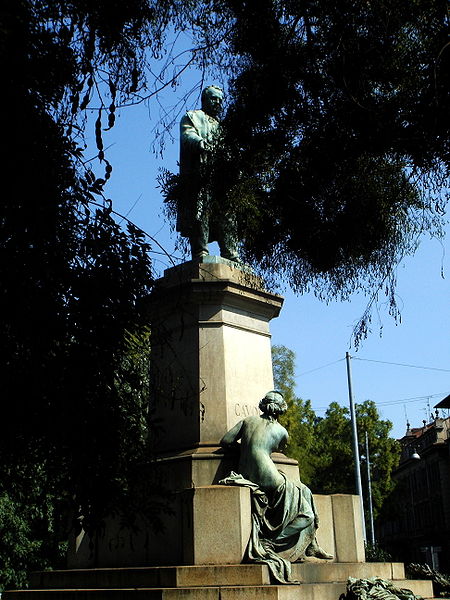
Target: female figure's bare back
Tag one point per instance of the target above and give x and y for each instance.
(260, 436)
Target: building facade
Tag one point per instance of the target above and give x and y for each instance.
(415, 525)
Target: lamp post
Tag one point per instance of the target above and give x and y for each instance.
(355, 445)
(369, 492)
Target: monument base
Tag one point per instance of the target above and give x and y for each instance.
(211, 365)
(222, 582)
(211, 525)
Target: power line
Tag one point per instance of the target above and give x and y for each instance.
(407, 400)
(319, 368)
(393, 402)
(387, 402)
(131, 209)
(385, 362)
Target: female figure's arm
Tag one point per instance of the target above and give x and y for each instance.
(232, 436)
(283, 441)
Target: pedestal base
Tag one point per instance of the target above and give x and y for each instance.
(211, 525)
(225, 582)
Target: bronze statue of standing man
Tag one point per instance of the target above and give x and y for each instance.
(202, 218)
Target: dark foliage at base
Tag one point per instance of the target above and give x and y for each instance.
(375, 553)
(71, 281)
(441, 581)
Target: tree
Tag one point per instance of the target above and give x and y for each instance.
(73, 280)
(299, 418)
(336, 153)
(33, 531)
(327, 109)
(283, 364)
(323, 446)
(335, 474)
(384, 452)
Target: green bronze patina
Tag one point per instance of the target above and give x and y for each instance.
(284, 518)
(259, 437)
(197, 219)
(376, 588)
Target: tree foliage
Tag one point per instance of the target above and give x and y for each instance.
(338, 129)
(335, 154)
(32, 531)
(72, 278)
(299, 418)
(71, 281)
(323, 445)
(334, 444)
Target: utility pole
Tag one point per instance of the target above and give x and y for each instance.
(355, 445)
(369, 489)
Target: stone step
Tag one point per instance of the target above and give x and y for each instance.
(153, 577)
(209, 575)
(306, 591)
(320, 572)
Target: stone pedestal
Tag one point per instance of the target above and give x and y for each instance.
(348, 528)
(211, 357)
(216, 525)
(211, 364)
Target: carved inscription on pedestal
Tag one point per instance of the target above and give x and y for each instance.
(245, 410)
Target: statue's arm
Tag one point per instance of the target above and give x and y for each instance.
(283, 441)
(232, 436)
(189, 134)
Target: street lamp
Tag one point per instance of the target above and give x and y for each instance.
(355, 445)
(369, 492)
(415, 455)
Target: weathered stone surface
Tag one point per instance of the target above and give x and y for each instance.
(347, 528)
(206, 525)
(216, 525)
(211, 356)
(186, 540)
(210, 575)
(330, 572)
(325, 531)
(308, 591)
(152, 577)
(212, 364)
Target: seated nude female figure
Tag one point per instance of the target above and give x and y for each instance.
(260, 436)
(284, 516)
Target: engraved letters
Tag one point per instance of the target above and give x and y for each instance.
(245, 410)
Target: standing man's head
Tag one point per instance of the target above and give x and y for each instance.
(212, 98)
(273, 404)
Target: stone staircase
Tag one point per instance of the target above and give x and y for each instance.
(319, 581)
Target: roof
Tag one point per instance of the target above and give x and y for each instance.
(445, 403)
(415, 432)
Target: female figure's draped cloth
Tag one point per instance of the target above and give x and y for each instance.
(283, 525)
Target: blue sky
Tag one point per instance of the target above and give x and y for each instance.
(320, 334)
